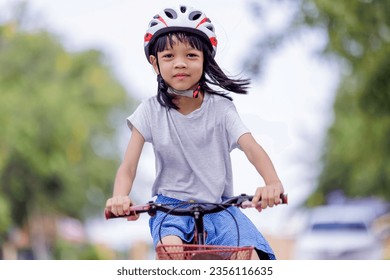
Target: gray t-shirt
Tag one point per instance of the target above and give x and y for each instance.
(192, 152)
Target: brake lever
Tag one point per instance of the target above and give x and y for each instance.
(245, 201)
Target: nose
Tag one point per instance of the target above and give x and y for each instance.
(180, 63)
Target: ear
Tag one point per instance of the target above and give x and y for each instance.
(153, 61)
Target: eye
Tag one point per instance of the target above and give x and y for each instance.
(167, 55)
(192, 55)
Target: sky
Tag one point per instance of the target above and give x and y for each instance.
(288, 110)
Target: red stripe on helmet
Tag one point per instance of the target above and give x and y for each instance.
(148, 37)
(203, 21)
(162, 20)
(213, 41)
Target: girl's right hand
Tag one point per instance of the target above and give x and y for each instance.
(120, 206)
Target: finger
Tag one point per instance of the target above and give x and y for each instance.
(113, 211)
(118, 205)
(108, 203)
(271, 200)
(277, 198)
(126, 205)
(256, 197)
(246, 204)
(133, 217)
(111, 206)
(264, 198)
(264, 202)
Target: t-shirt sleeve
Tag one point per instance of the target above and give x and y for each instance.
(140, 119)
(234, 126)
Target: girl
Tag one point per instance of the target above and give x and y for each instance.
(193, 126)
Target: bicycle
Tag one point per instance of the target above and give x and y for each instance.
(198, 250)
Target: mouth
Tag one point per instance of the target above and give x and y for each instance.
(181, 75)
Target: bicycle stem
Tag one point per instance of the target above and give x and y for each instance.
(199, 227)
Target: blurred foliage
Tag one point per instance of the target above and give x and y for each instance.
(66, 250)
(57, 140)
(357, 153)
(5, 216)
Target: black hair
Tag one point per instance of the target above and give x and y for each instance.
(212, 75)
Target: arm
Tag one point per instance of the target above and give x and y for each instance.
(120, 202)
(270, 193)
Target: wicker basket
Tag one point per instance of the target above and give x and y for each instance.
(202, 252)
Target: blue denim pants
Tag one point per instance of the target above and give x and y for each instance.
(229, 227)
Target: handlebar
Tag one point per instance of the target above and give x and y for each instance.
(194, 208)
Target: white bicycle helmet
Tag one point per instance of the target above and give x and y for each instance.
(183, 18)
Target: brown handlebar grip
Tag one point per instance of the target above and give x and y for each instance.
(284, 198)
(133, 210)
(108, 214)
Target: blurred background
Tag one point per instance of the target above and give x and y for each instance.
(72, 71)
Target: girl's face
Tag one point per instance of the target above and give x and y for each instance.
(181, 66)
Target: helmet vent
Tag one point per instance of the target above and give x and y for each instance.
(170, 13)
(183, 9)
(195, 15)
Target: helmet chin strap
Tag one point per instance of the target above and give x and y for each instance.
(188, 93)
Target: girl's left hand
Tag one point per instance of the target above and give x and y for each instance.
(268, 196)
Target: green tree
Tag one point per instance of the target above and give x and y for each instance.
(357, 153)
(58, 152)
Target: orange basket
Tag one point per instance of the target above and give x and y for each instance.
(203, 252)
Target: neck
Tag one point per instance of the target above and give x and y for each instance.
(187, 104)
(192, 93)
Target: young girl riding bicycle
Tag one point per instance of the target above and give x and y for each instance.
(193, 126)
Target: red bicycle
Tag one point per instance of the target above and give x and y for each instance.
(198, 250)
